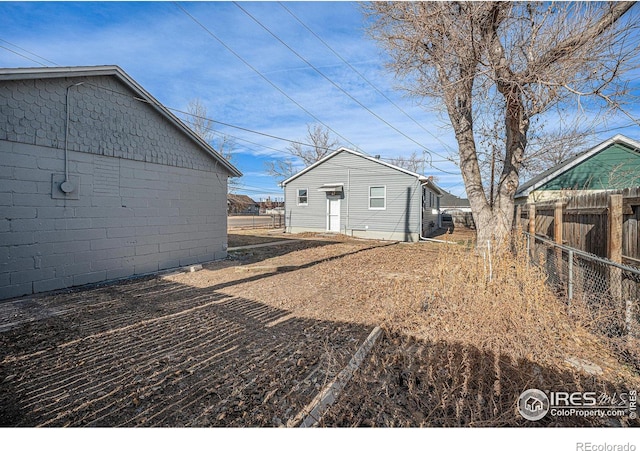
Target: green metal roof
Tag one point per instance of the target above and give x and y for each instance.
(612, 164)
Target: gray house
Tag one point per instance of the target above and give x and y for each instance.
(99, 181)
(358, 195)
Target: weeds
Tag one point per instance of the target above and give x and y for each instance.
(512, 312)
(461, 354)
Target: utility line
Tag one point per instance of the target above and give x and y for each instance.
(265, 134)
(364, 78)
(334, 83)
(260, 73)
(270, 135)
(20, 54)
(248, 130)
(30, 53)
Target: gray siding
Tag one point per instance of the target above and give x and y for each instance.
(431, 219)
(148, 198)
(400, 219)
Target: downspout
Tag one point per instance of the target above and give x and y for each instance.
(67, 186)
(346, 227)
(420, 225)
(284, 199)
(423, 238)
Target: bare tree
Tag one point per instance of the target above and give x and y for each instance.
(505, 61)
(196, 118)
(544, 151)
(202, 125)
(551, 149)
(317, 144)
(280, 169)
(413, 163)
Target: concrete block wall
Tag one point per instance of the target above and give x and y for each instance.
(148, 197)
(130, 218)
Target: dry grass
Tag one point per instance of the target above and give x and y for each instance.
(407, 382)
(461, 354)
(433, 292)
(463, 338)
(461, 342)
(497, 303)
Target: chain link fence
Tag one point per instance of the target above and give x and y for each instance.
(249, 221)
(601, 293)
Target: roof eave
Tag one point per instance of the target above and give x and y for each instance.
(421, 178)
(561, 168)
(427, 181)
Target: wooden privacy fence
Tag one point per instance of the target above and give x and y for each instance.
(590, 250)
(604, 224)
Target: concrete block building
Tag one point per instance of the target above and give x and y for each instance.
(100, 181)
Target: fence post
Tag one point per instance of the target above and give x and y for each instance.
(557, 223)
(557, 236)
(570, 288)
(614, 252)
(518, 217)
(532, 219)
(532, 230)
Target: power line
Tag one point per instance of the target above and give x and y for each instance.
(332, 82)
(23, 56)
(231, 126)
(253, 131)
(260, 73)
(222, 134)
(306, 144)
(280, 138)
(283, 139)
(363, 77)
(30, 53)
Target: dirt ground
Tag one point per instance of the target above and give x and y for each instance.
(250, 341)
(239, 237)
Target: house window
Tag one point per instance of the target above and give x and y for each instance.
(429, 199)
(377, 197)
(303, 198)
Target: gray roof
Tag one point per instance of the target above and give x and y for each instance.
(424, 180)
(241, 199)
(122, 76)
(526, 188)
(449, 200)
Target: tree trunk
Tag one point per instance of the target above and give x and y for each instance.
(491, 227)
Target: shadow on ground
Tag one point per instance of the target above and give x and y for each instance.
(153, 352)
(257, 254)
(166, 355)
(413, 383)
(241, 239)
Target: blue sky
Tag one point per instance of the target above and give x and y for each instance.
(177, 60)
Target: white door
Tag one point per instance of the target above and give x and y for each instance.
(333, 214)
